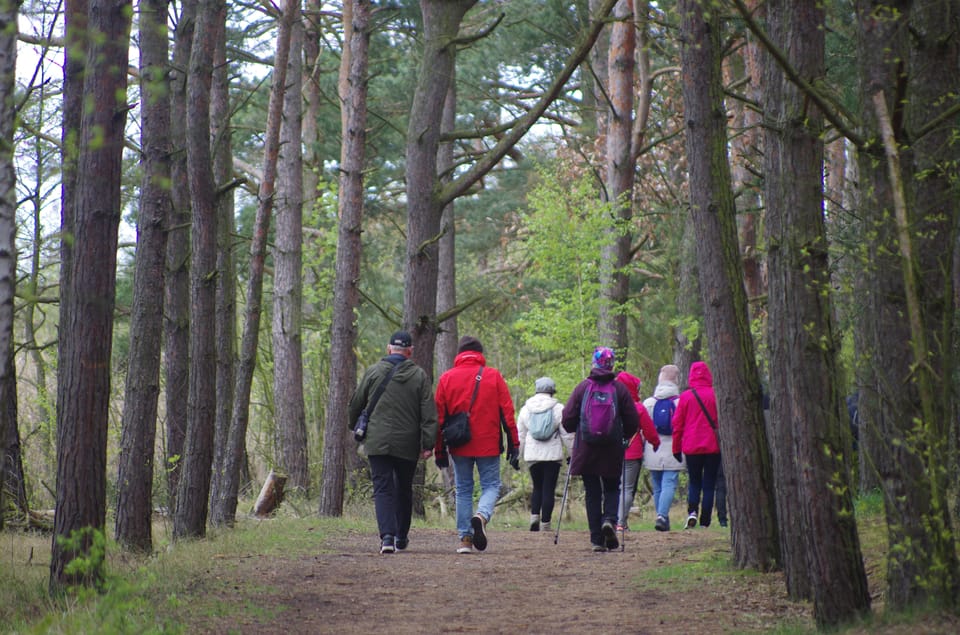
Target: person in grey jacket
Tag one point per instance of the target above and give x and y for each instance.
(664, 468)
(402, 429)
(543, 457)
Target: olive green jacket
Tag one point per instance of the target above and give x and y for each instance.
(404, 421)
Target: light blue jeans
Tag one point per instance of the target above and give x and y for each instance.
(664, 486)
(488, 469)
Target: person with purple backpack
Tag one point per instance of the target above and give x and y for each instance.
(601, 412)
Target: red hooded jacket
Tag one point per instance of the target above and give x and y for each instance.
(648, 431)
(454, 390)
(692, 432)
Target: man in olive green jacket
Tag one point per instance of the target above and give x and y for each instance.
(402, 428)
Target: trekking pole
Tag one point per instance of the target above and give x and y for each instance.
(563, 502)
(623, 500)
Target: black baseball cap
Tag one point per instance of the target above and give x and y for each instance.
(401, 339)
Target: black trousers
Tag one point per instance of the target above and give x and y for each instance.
(392, 493)
(602, 497)
(544, 475)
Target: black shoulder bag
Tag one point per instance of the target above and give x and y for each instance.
(713, 424)
(360, 430)
(456, 427)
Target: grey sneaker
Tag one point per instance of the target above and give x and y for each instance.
(387, 544)
(662, 524)
(478, 522)
(692, 520)
(545, 526)
(609, 534)
(534, 522)
(599, 548)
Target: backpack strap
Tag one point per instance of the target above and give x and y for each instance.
(379, 391)
(707, 414)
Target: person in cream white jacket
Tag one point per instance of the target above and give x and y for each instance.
(543, 458)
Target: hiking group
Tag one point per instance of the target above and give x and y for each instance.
(604, 430)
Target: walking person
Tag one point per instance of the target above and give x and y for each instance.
(695, 430)
(663, 466)
(402, 428)
(598, 448)
(480, 390)
(542, 442)
(645, 438)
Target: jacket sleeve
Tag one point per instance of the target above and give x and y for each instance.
(629, 416)
(678, 422)
(440, 405)
(506, 410)
(571, 411)
(359, 399)
(522, 417)
(565, 437)
(428, 414)
(647, 428)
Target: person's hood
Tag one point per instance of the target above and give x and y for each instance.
(632, 382)
(470, 358)
(700, 375)
(540, 402)
(602, 375)
(665, 390)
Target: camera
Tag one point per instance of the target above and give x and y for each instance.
(360, 430)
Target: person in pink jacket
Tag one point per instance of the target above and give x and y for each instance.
(633, 456)
(695, 434)
(492, 406)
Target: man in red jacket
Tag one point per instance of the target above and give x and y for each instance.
(491, 406)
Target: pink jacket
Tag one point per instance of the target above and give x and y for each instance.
(692, 432)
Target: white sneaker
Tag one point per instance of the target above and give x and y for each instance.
(692, 520)
(544, 526)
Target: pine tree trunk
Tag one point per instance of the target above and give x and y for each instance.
(220, 137)
(176, 295)
(139, 424)
(190, 516)
(808, 412)
(287, 277)
(337, 441)
(736, 380)
(84, 400)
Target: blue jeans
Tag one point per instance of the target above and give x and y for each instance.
(664, 486)
(488, 469)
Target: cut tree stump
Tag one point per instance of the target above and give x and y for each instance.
(271, 495)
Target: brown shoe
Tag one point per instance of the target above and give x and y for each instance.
(466, 544)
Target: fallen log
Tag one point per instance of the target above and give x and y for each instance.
(271, 495)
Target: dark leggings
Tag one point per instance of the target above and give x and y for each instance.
(702, 469)
(544, 475)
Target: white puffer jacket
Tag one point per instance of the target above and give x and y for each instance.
(552, 449)
(662, 459)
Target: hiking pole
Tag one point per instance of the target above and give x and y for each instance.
(623, 499)
(563, 502)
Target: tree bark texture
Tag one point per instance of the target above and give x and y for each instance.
(190, 517)
(337, 440)
(736, 381)
(441, 23)
(176, 293)
(83, 403)
(8, 205)
(618, 185)
(221, 129)
(12, 479)
(139, 423)
(287, 280)
(809, 432)
(258, 250)
(907, 59)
